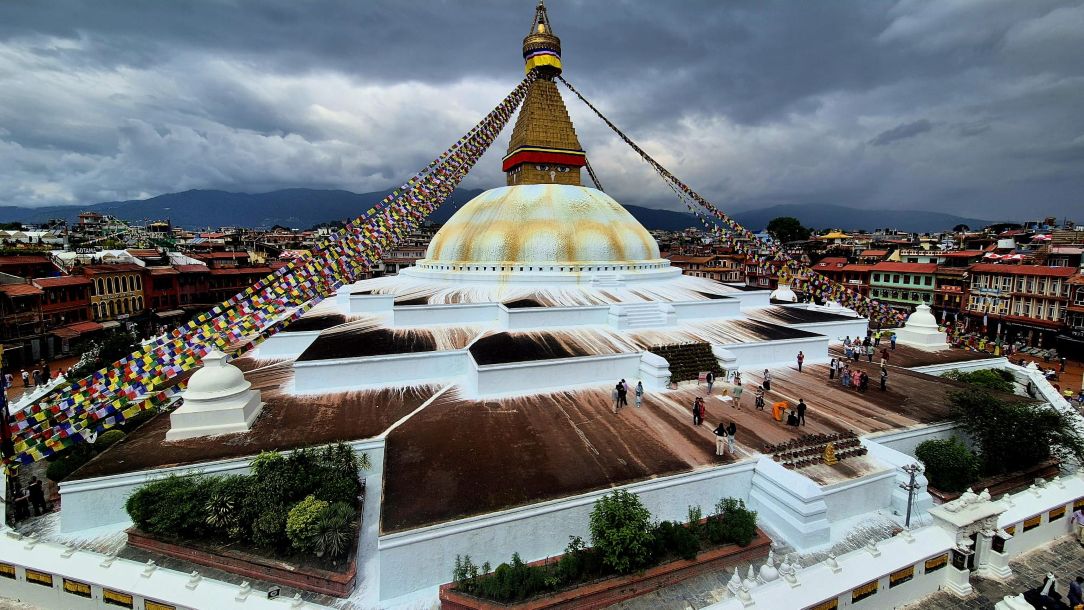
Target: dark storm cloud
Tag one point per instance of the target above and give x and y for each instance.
(902, 132)
(752, 102)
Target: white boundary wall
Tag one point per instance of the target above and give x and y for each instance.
(906, 441)
(822, 582)
(714, 308)
(286, 344)
(141, 581)
(322, 376)
(1040, 501)
(558, 373)
(97, 502)
(424, 557)
(422, 315)
(768, 354)
(520, 318)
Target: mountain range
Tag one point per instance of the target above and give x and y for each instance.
(304, 208)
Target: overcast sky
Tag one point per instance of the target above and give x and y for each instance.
(970, 106)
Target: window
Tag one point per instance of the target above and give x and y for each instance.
(152, 605)
(876, 277)
(39, 578)
(75, 587)
(830, 604)
(1032, 523)
(7, 571)
(1055, 514)
(929, 280)
(864, 591)
(124, 284)
(895, 279)
(901, 576)
(906, 279)
(116, 598)
(936, 563)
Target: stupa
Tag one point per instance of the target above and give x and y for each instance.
(218, 400)
(921, 330)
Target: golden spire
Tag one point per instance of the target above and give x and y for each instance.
(541, 48)
(544, 148)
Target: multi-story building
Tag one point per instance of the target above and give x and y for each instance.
(116, 291)
(65, 300)
(1028, 302)
(902, 285)
(27, 266)
(1071, 339)
(21, 328)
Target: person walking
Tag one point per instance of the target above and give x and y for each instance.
(848, 351)
(698, 415)
(711, 380)
(639, 393)
(845, 376)
(731, 432)
(736, 393)
(863, 382)
(801, 411)
(1076, 592)
(869, 353)
(893, 340)
(22, 504)
(720, 439)
(26, 378)
(623, 393)
(767, 381)
(47, 371)
(1078, 525)
(615, 399)
(877, 339)
(37, 495)
(37, 377)
(801, 359)
(832, 366)
(759, 393)
(884, 379)
(884, 356)
(856, 378)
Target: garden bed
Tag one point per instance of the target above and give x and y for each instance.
(298, 575)
(1004, 483)
(608, 591)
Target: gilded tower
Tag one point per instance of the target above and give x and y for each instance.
(544, 148)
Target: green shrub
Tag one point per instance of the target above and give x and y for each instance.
(621, 531)
(732, 522)
(675, 539)
(334, 530)
(172, 507)
(301, 523)
(995, 380)
(269, 529)
(1014, 435)
(108, 439)
(62, 467)
(950, 465)
(222, 509)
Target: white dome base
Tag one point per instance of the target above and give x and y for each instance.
(921, 331)
(218, 400)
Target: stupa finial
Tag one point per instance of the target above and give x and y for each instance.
(541, 48)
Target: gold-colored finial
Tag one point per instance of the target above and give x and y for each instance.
(541, 48)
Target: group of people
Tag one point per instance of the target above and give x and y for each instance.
(31, 496)
(31, 379)
(1047, 597)
(620, 395)
(857, 378)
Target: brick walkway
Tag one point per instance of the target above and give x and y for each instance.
(1064, 557)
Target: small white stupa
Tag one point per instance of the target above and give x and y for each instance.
(921, 330)
(783, 293)
(218, 400)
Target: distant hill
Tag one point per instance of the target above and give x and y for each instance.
(828, 216)
(303, 208)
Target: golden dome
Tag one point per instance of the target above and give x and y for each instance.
(558, 226)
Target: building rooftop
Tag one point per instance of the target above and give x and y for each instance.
(19, 290)
(56, 282)
(1038, 270)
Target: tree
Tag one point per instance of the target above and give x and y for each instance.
(1015, 435)
(621, 531)
(787, 228)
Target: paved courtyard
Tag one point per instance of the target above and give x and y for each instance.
(1063, 557)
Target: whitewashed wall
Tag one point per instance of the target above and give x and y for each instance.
(1039, 501)
(421, 315)
(767, 354)
(551, 317)
(715, 308)
(119, 575)
(286, 344)
(424, 557)
(322, 376)
(822, 582)
(906, 441)
(97, 502)
(560, 373)
(369, 303)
